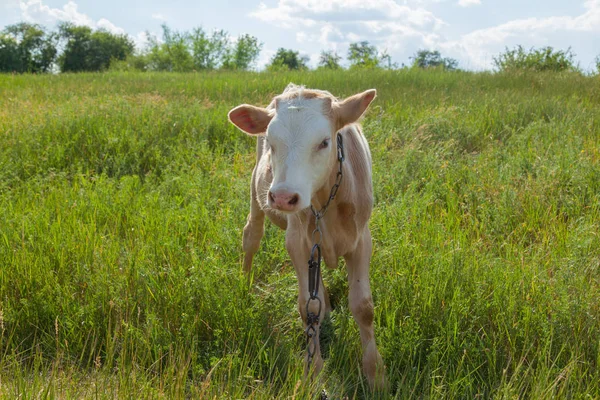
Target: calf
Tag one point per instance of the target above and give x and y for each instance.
(298, 165)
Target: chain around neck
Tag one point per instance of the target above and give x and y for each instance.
(338, 179)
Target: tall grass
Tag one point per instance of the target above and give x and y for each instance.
(123, 196)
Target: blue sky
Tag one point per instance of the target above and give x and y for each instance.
(472, 31)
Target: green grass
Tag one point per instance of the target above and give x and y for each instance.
(123, 198)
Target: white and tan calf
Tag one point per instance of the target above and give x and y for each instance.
(296, 167)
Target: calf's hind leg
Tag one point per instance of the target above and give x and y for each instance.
(254, 229)
(361, 306)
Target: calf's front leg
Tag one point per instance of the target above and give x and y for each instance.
(361, 306)
(299, 252)
(255, 227)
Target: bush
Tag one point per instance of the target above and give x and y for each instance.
(329, 60)
(135, 62)
(433, 59)
(287, 59)
(243, 54)
(173, 54)
(543, 59)
(208, 51)
(195, 51)
(363, 55)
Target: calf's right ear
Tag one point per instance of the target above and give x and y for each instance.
(250, 119)
(351, 109)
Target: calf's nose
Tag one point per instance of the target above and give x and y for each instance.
(283, 200)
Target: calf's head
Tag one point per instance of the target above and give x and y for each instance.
(300, 127)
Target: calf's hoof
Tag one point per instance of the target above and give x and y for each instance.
(314, 368)
(374, 368)
(248, 262)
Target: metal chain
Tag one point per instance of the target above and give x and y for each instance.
(338, 180)
(314, 263)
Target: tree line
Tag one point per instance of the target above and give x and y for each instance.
(31, 48)
(26, 47)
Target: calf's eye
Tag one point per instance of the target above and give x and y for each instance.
(324, 144)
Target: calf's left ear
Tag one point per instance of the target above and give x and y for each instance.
(250, 119)
(352, 108)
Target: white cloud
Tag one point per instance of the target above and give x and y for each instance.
(479, 46)
(103, 23)
(587, 22)
(159, 17)
(309, 13)
(468, 3)
(401, 29)
(37, 12)
(334, 24)
(265, 57)
(8, 4)
(142, 39)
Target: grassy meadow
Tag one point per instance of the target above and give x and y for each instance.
(122, 202)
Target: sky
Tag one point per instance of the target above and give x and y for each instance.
(471, 31)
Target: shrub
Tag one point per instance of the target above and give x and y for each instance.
(243, 54)
(184, 51)
(173, 54)
(135, 62)
(208, 51)
(543, 59)
(286, 59)
(329, 60)
(363, 55)
(433, 59)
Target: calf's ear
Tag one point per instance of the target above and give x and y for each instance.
(352, 108)
(250, 119)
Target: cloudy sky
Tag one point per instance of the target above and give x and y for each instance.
(472, 31)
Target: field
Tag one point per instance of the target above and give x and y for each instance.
(122, 202)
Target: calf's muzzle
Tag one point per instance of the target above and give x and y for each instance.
(283, 200)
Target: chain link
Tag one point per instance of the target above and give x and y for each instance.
(314, 263)
(338, 180)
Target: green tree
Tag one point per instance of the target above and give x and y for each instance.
(243, 54)
(9, 54)
(363, 55)
(106, 46)
(385, 61)
(76, 49)
(26, 47)
(208, 51)
(133, 62)
(329, 60)
(87, 50)
(183, 51)
(287, 59)
(433, 59)
(543, 59)
(173, 54)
